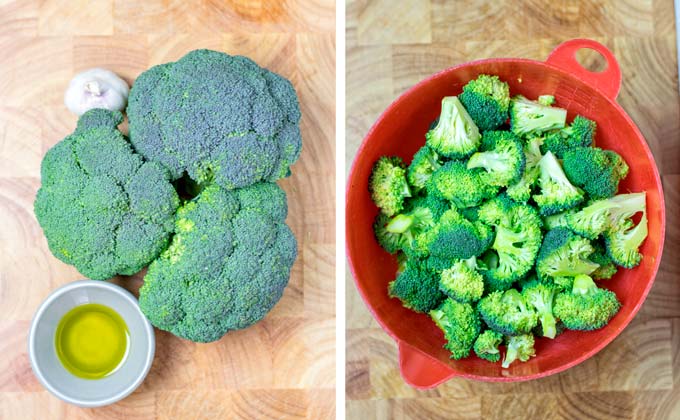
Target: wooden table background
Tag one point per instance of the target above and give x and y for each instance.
(391, 48)
(282, 367)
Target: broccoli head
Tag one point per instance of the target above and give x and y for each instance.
(557, 193)
(462, 281)
(486, 345)
(580, 133)
(564, 254)
(101, 207)
(417, 287)
(592, 220)
(541, 296)
(455, 237)
(217, 117)
(388, 185)
(463, 187)
(623, 238)
(460, 324)
(502, 157)
(585, 306)
(456, 136)
(227, 265)
(424, 163)
(507, 312)
(595, 170)
(487, 100)
(529, 117)
(520, 347)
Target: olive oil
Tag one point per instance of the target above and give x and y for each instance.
(91, 341)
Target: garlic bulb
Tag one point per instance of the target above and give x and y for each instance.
(96, 88)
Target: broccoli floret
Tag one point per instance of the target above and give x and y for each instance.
(520, 348)
(217, 117)
(227, 265)
(486, 345)
(388, 185)
(463, 187)
(400, 231)
(623, 238)
(546, 100)
(455, 237)
(557, 193)
(456, 136)
(462, 282)
(591, 221)
(521, 190)
(595, 170)
(564, 254)
(101, 207)
(436, 205)
(487, 100)
(530, 117)
(586, 307)
(541, 296)
(557, 220)
(423, 165)
(516, 243)
(580, 133)
(607, 268)
(460, 324)
(502, 158)
(507, 312)
(417, 287)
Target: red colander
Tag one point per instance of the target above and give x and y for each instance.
(400, 131)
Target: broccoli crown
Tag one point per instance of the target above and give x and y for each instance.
(455, 237)
(456, 136)
(595, 170)
(502, 158)
(520, 348)
(436, 205)
(623, 237)
(101, 207)
(460, 324)
(557, 193)
(593, 220)
(580, 133)
(607, 268)
(487, 100)
(564, 254)
(388, 185)
(530, 117)
(423, 165)
(486, 345)
(521, 190)
(586, 307)
(463, 187)
(227, 265)
(541, 296)
(401, 230)
(417, 287)
(217, 117)
(507, 312)
(462, 282)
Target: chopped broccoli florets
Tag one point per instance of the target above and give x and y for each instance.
(388, 185)
(580, 133)
(507, 312)
(502, 158)
(462, 282)
(486, 345)
(417, 287)
(520, 348)
(463, 187)
(595, 170)
(593, 220)
(487, 100)
(607, 268)
(541, 296)
(423, 165)
(455, 237)
(564, 254)
(521, 190)
(530, 117)
(585, 306)
(623, 238)
(456, 135)
(460, 324)
(400, 231)
(557, 193)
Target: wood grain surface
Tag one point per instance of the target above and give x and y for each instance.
(282, 367)
(391, 48)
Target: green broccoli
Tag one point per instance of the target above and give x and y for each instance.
(486, 345)
(460, 324)
(463, 187)
(436, 205)
(462, 282)
(520, 347)
(521, 190)
(101, 207)
(557, 193)
(227, 265)
(546, 100)
(607, 268)
(388, 185)
(586, 307)
(417, 287)
(541, 296)
(595, 170)
(591, 221)
(530, 117)
(502, 158)
(580, 133)
(507, 312)
(400, 231)
(487, 100)
(623, 238)
(456, 136)
(557, 220)
(564, 254)
(455, 237)
(423, 165)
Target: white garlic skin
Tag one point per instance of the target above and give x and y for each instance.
(96, 88)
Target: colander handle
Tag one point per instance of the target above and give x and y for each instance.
(608, 81)
(420, 370)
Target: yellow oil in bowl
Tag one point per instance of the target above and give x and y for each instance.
(91, 341)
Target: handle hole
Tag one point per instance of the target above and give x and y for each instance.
(591, 60)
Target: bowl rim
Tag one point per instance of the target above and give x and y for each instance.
(112, 288)
(584, 356)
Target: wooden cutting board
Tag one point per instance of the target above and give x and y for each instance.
(391, 48)
(282, 367)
